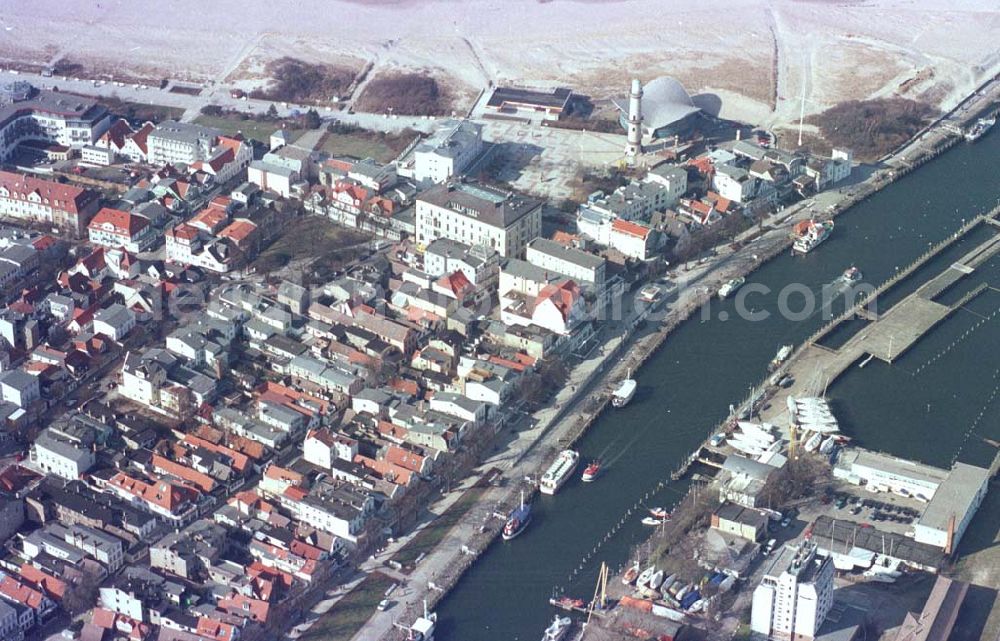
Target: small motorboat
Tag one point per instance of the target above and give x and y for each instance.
(656, 580)
(851, 275)
(591, 472)
(659, 513)
(630, 575)
(653, 521)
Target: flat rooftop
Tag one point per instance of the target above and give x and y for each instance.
(555, 99)
(891, 465)
(955, 496)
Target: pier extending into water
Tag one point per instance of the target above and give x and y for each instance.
(889, 335)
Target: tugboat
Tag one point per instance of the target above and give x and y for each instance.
(518, 520)
(591, 472)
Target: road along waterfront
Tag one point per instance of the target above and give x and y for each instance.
(686, 388)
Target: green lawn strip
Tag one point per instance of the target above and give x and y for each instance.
(427, 539)
(348, 615)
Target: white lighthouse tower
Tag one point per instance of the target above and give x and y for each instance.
(634, 145)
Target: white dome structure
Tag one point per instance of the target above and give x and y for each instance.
(666, 107)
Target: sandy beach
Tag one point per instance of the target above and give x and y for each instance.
(764, 59)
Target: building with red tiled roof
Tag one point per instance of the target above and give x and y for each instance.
(115, 137)
(386, 470)
(45, 201)
(171, 500)
(117, 228)
(631, 238)
(407, 459)
(209, 219)
(559, 307)
(203, 482)
(53, 587)
(240, 462)
(21, 592)
(242, 232)
(242, 605)
(455, 285)
(216, 630)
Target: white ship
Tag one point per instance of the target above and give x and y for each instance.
(731, 286)
(624, 393)
(809, 234)
(557, 631)
(979, 129)
(559, 471)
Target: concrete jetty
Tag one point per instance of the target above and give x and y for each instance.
(890, 334)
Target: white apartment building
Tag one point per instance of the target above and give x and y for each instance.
(54, 453)
(176, 143)
(480, 264)
(114, 321)
(794, 596)
(448, 152)
(29, 114)
(475, 214)
(19, 387)
(631, 239)
(322, 447)
(734, 183)
(661, 188)
(581, 266)
(272, 176)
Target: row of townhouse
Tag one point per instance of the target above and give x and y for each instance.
(38, 200)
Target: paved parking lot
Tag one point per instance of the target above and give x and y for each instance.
(887, 512)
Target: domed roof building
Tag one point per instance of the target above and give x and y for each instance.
(667, 108)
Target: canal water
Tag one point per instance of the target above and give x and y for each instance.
(926, 406)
